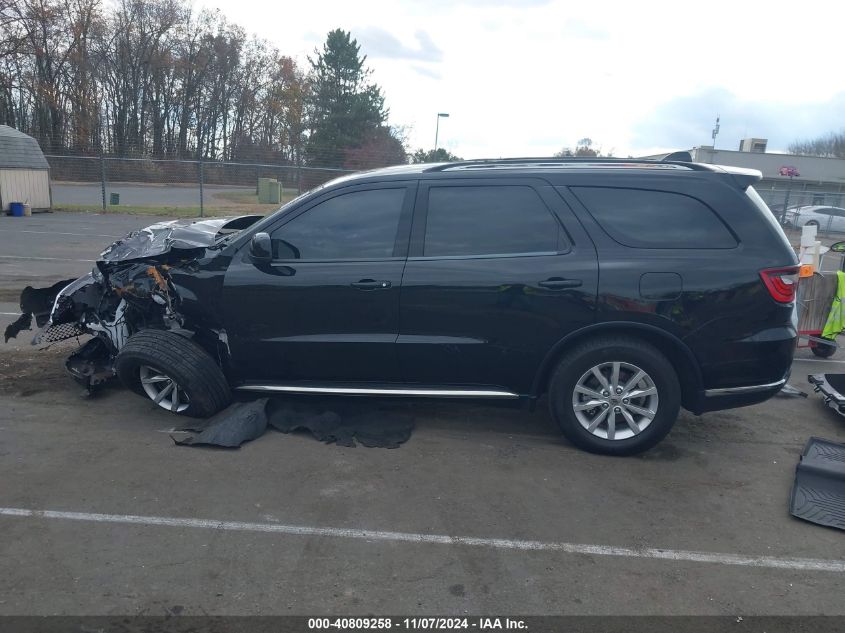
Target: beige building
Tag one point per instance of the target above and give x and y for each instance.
(821, 181)
(24, 172)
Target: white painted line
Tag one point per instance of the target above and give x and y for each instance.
(10, 313)
(50, 259)
(57, 233)
(816, 360)
(773, 562)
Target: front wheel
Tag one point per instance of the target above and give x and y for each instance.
(174, 372)
(615, 396)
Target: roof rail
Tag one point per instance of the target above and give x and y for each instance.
(570, 161)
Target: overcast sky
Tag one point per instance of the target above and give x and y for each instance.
(528, 77)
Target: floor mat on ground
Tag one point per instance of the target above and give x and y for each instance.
(818, 494)
(342, 425)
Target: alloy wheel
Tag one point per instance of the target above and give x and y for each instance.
(615, 400)
(163, 390)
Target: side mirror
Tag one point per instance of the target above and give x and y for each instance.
(838, 247)
(260, 248)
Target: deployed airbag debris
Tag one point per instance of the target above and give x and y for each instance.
(243, 422)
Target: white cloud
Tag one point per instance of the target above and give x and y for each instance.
(527, 78)
(376, 42)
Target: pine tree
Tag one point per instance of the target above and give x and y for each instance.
(345, 107)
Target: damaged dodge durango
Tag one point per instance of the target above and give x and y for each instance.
(621, 290)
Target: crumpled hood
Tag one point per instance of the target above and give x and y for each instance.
(162, 237)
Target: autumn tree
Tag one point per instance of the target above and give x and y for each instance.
(157, 78)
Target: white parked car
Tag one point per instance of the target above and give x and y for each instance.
(827, 218)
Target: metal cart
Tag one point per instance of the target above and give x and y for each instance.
(815, 295)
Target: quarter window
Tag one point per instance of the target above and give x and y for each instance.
(491, 220)
(356, 225)
(655, 219)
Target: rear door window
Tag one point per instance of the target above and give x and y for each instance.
(488, 220)
(643, 218)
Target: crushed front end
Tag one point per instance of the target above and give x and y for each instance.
(130, 289)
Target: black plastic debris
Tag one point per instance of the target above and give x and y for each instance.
(23, 322)
(240, 422)
(326, 426)
(371, 427)
(344, 425)
(37, 302)
(832, 388)
(818, 494)
(91, 364)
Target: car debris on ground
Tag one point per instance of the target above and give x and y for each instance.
(343, 425)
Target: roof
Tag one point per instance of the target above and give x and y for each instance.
(20, 151)
(537, 166)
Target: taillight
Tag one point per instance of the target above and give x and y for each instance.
(781, 282)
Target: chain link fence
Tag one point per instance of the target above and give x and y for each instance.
(193, 188)
(175, 187)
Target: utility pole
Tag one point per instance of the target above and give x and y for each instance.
(103, 178)
(202, 182)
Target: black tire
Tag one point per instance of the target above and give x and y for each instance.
(179, 358)
(812, 223)
(580, 359)
(823, 350)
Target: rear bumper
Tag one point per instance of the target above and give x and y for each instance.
(733, 397)
(748, 389)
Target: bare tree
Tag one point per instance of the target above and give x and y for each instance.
(831, 145)
(154, 78)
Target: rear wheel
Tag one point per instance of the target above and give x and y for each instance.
(615, 395)
(812, 223)
(174, 372)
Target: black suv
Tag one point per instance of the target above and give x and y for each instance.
(622, 289)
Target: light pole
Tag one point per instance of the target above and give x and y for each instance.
(440, 115)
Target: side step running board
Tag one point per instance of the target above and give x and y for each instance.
(381, 391)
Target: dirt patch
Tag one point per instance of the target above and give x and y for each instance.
(26, 372)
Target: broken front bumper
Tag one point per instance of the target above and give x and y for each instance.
(832, 388)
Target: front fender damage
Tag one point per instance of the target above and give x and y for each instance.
(131, 288)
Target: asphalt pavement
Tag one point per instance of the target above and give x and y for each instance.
(486, 509)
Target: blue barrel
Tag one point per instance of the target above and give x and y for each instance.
(16, 208)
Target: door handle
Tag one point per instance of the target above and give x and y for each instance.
(556, 283)
(372, 284)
